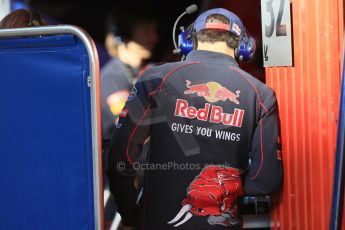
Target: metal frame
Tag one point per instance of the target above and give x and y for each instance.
(94, 74)
(338, 178)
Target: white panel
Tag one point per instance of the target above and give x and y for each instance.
(276, 32)
(5, 8)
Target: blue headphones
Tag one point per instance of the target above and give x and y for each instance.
(244, 52)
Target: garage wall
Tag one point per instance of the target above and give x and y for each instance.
(308, 96)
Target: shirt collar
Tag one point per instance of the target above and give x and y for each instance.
(211, 57)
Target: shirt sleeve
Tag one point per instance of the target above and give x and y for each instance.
(115, 88)
(127, 142)
(266, 169)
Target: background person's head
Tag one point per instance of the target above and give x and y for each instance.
(132, 31)
(21, 18)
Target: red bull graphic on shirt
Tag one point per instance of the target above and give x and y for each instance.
(210, 113)
(202, 90)
(123, 113)
(213, 193)
(116, 101)
(212, 92)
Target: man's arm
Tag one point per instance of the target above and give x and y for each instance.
(115, 89)
(126, 145)
(266, 169)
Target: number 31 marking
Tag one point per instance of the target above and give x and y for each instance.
(280, 29)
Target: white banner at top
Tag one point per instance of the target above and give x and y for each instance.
(276, 32)
(5, 8)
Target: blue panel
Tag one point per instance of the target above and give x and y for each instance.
(45, 135)
(338, 181)
(42, 43)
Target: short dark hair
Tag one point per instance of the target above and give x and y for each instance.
(123, 20)
(213, 36)
(21, 18)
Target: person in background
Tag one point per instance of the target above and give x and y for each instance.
(21, 18)
(130, 41)
(213, 132)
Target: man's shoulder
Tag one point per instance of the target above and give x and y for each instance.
(153, 77)
(113, 63)
(113, 67)
(265, 94)
(254, 83)
(159, 71)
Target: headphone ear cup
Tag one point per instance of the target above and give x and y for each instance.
(186, 40)
(117, 38)
(190, 36)
(252, 46)
(246, 48)
(119, 29)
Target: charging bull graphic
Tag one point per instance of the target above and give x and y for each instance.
(212, 193)
(225, 94)
(212, 92)
(201, 90)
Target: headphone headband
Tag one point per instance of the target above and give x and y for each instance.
(244, 52)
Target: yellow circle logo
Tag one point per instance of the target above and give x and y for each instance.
(213, 87)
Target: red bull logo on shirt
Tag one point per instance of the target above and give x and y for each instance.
(213, 193)
(211, 113)
(212, 92)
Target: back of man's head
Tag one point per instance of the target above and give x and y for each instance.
(133, 23)
(213, 35)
